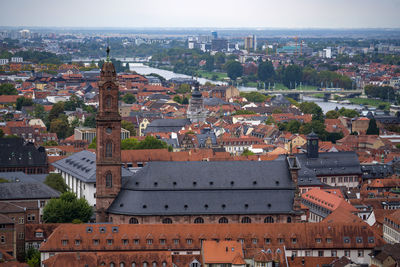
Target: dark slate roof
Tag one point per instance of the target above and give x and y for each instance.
(14, 153)
(34, 190)
(374, 171)
(331, 163)
(131, 202)
(220, 187)
(215, 101)
(166, 125)
(82, 165)
(19, 177)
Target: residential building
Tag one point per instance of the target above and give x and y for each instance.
(79, 173)
(19, 156)
(145, 244)
(391, 227)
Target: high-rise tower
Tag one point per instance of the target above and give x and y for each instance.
(108, 151)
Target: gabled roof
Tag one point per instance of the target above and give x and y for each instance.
(13, 191)
(226, 252)
(82, 165)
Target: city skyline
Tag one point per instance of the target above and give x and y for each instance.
(210, 14)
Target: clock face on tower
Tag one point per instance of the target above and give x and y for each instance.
(314, 142)
(109, 130)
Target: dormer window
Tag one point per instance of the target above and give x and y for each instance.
(77, 242)
(38, 234)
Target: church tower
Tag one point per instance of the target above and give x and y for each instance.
(196, 112)
(312, 145)
(108, 151)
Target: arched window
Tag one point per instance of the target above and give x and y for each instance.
(133, 264)
(199, 220)
(133, 221)
(154, 264)
(108, 101)
(223, 220)
(122, 264)
(164, 264)
(289, 219)
(145, 264)
(246, 220)
(167, 221)
(109, 180)
(109, 150)
(269, 219)
(2, 239)
(112, 264)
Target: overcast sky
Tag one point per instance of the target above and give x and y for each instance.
(202, 13)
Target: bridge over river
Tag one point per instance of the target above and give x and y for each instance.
(298, 94)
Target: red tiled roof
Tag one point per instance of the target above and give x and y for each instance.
(327, 200)
(222, 252)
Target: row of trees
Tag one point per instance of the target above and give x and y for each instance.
(386, 93)
(8, 89)
(149, 142)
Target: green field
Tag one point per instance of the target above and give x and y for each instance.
(209, 75)
(369, 102)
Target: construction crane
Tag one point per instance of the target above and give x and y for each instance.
(296, 39)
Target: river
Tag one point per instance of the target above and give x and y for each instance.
(167, 74)
(145, 70)
(326, 106)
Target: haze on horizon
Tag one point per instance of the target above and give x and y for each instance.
(206, 13)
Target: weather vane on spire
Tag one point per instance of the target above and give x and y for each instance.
(108, 51)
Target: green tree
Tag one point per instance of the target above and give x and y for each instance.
(243, 112)
(129, 144)
(56, 110)
(66, 209)
(247, 152)
(93, 144)
(50, 143)
(332, 114)
(151, 142)
(209, 63)
(293, 126)
(270, 120)
(55, 181)
(129, 98)
(129, 127)
(349, 113)
(292, 76)
(266, 72)
(90, 121)
(255, 97)
(177, 99)
(39, 112)
(183, 89)
(1, 133)
(372, 127)
(22, 102)
(314, 109)
(32, 257)
(234, 70)
(59, 126)
(8, 89)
